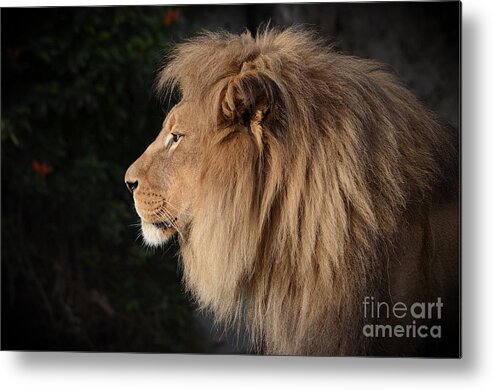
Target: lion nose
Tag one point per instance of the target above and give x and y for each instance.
(132, 185)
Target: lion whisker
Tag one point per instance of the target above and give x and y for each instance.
(172, 222)
(165, 213)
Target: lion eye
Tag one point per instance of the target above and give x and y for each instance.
(174, 139)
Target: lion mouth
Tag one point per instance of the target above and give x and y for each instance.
(166, 224)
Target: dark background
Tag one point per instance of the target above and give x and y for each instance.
(77, 109)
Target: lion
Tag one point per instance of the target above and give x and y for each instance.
(305, 187)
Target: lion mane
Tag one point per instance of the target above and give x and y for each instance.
(292, 231)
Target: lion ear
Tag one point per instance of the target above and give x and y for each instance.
(247, 100)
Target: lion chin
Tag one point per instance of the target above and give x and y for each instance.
(154, 236)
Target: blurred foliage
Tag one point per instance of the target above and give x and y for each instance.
(77, 109)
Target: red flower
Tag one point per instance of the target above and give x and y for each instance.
(42, 169)
(13, 52)
(170, 17)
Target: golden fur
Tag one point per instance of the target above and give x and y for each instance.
(311, 169)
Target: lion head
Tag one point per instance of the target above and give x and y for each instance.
(162, 179)
(287, 170)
